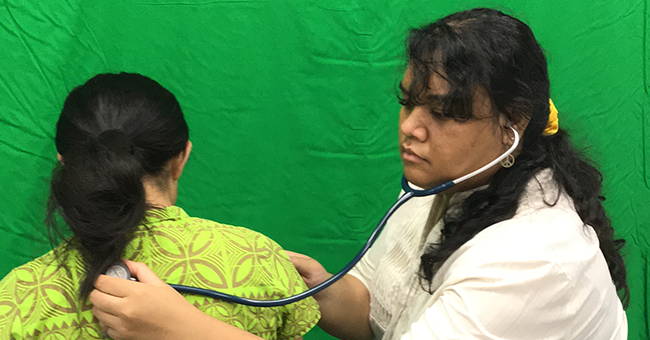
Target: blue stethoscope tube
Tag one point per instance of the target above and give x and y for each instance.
(408, 194)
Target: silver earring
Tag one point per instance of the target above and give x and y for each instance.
(508, 161)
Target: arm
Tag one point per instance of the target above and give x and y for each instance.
(150, 309)
(344, 306)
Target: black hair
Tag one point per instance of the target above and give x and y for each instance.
(485, 49)
(113, 131)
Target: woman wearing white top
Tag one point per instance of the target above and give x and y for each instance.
(522, 251)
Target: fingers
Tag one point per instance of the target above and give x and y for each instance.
(103, 326)
(115, 286)
(292, 254)
(302, 262)
(111, 333)
(106, 303)
(143, 273)
(107, 322)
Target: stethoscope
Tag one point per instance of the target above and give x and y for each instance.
(120, 269)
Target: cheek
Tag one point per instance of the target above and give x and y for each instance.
(450, 158)
(480, 150)
(453, 155)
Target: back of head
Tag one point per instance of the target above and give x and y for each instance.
(114, 131)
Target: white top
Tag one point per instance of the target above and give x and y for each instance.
(539, 275)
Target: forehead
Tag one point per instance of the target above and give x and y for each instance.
(436, 83)
(437, 89)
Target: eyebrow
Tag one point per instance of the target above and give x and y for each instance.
(429, 98)
(434, 98)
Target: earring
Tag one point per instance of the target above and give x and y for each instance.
(508, 161)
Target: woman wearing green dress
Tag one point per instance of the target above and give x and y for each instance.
(122, 144)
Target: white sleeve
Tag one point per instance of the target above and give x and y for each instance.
(504, 301)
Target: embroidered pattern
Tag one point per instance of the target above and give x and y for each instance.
(39, 300)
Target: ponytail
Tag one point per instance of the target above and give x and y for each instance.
(98, 191)
(114, 131)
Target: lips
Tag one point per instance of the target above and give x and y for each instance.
(410, 156)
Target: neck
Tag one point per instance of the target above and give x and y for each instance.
(156, 197)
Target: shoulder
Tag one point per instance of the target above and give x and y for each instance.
(546, 225)
(532, 276)
(181, 221)
(8, 288)
(38, 271)
(46, 270)
(551, 235)
(259, 260)
(173, 225)
(544, 255)
(38, 291)
(246, 251)
(540, 269)
(545, 240)
(241, 238)
(9, 306)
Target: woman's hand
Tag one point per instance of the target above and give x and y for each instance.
(151, 309)
(137, 310)
(311, 271)
(344, 306)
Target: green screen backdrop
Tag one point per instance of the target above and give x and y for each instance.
(292, 111)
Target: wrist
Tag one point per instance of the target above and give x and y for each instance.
(327, 292)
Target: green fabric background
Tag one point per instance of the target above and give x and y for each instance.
(292, 110)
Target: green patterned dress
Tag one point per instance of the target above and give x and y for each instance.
(39, 300)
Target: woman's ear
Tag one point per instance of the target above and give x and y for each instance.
(178, 164)
(508, 135)
(521, 126)
(59, 157)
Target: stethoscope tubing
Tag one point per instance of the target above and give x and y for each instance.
(288, 300)
(409, 193)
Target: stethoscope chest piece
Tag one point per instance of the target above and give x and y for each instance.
(120, 270)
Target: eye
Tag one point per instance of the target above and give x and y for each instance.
(438, 113)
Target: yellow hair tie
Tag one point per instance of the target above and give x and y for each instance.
(553, 123)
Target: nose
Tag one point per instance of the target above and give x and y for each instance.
(413, 123)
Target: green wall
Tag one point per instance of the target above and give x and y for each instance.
(292, 111)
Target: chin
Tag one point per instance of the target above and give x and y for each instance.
(423, 179)
(418, 178)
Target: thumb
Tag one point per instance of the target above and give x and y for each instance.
(292, 254)
(143, 273)
(306, 266)
(298, 260)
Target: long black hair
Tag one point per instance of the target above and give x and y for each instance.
(489, 50)
(113, 131)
